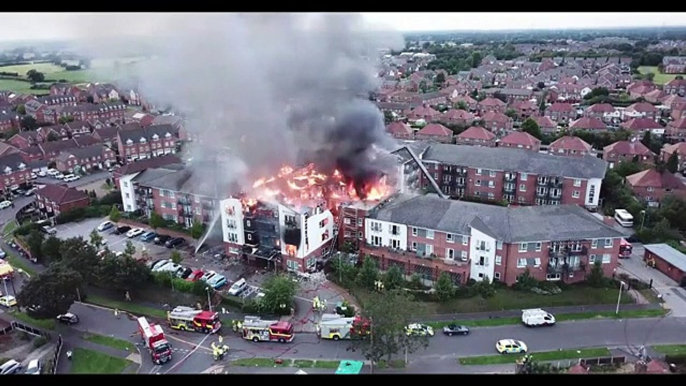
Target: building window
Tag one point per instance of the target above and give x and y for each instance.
(414, 231)
(537, 262)
(478, 172)
(477, 182)
(523, 177)
(522, 188)
(491, 184)
(539, 245)
(608, 243)
(577, 183)
(128, 195)
(607, 258)
(523, 247)
(499, 245)
(346, 221)
(449, 238)
(496, 275)
(491, 173)
(126, 184)
(463, 255)
(429, 234)
(521, 263)
(450, 254)
(576, 194)
(594, 243)
(591, 259)
(414, 245)
(359, 222)
(498, 260)
(465, 240)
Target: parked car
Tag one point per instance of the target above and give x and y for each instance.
(105, 225)
(42, 174)
(30, 192)
(8, 301)
(175, 242)
(217, 281)
(34, 176)
(169, 266)
(134, 232)
(195, 275)
(5, 204)
(184, 273)
(510, 346)
(59, 176)
(162, 239)
(3, 254)
(418, 329)
(10, 367)
(238, 287)
(122, 230)
(148, 236)
(68, 318)
(455, 329)
(157, 263)
(33, 368)
(208, 275)
(47, 229)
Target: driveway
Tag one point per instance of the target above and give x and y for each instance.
(673, 295)
(84, 180)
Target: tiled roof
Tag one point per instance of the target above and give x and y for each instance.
(435, 129)
(680, 148)
(61, 194)
(561, 107)
(148, 163)
(588, 123)
(651, 178)
(458, 114)
(517, 138)
(495, 102)
(628, 148)
(478, 133)
(642, 107)
(398, 128)
(601, 108)
(545, 122)
(641, 124)
(492, 116)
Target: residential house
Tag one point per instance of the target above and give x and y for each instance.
(427, 236)
(52, 200)
(516, 175)
(676, 130)
(66, 89)
(652, 186)
(560, 112)
(400, 130)
(143, 119)
(468, 101)
(676, 86)
(524, 109)
(107, 135)
(36, 110)
(457, 117)
(521, 140)
(497, 122)
(603, 111)
(669, 261)
(6, 148)
(588, 124)
(626, 151)
(402, 97)
(640, 88)
(14, 171)
(570, 146)
(151, 141)
(9, 121)
(435, 132)
(640, 110)
(53, 149)
(102, 92)
(133, 168)
(512, 94)
(78, 128)
(656, 96)
(132, 97)
(639, 126)
(396, 108)
(430, 99)
(24, 139)
(477, 136)
(491, 105)
(424, 112)
(679, 149)
(86, 158)
(107, 112)
(58, 100)
(31, 154)
(546, 124)
(51, 133)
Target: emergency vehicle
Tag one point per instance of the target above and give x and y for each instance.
(155, 341)
(189, 319)
(259, 330)
(537, 317)
(625, 249)
(333, 326)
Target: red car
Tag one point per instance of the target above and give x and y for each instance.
(195, 275)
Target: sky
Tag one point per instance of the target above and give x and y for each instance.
(60, 26)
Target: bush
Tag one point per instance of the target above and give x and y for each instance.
(39, 342)
(78, 214)
(111, 198)
(24, 230)
(635, 283)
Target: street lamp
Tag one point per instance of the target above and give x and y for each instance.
(619, 298)
(643, 219)
(209, 299)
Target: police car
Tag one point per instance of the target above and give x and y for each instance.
(510, 346)
(417, 329)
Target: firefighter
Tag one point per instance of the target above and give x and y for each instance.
(69, 354)
(239, 326)
(234, 325)
(315, 303)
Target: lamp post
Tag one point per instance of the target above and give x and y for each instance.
(619, 298)
(209, 299)
(643, 219)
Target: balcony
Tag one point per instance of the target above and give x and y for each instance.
(460, 171)
(415, 258)
(510, 177)
(561, 266)
(541, 193)
(509, 188)
(555, 196)
(542, 181)
(184, 201)
(563, 252)
(460, 182)
(207, 205)
(555, 183)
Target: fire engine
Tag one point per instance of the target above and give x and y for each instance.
(155, 341)
(190, 319)
(333, 326)
(259, 330)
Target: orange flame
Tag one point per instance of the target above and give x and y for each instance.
(291, 250)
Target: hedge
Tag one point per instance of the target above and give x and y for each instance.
(78, 214)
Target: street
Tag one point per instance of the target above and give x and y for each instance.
(627, 334)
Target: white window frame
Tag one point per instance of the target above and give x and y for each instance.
(464, 255)
(449, 238)
(477, 182)
(499, 245)
(610, 244)
(465, 240)
(429, 234)
(478, 172)
(498, 260)
(591, 259)
(522, 187)
(519, 263)
(491, 173)
(577, 182)
(496, 275)
(539, 246)
(607, 258)
(448, 252)
(523, 177)
(491, 184)
(576, 194)
(523, 247)
(594, 244)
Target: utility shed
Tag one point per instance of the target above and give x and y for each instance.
(667, 260)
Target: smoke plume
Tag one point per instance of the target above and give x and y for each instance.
(264, 90)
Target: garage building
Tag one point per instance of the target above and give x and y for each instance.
(667, 260)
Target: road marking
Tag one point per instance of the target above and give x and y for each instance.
(155, 369)
(190, 343)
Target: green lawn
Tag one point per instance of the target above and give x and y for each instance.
(659, 78)
(46, 324)
(8, 229)
(93, 362)
(110, 342)
(632, 314)
(133, 308)
(19, 87)
(394, 364)
(539, 356)
(671, 349)
(509, 299)
(19, 263)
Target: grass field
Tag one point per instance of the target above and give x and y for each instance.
(19, 87)
(93, 362)
(633, 314)
(46, 324)
(133, 308)
(538, 356)
(671, 349)
(659, 78)
(119, 344)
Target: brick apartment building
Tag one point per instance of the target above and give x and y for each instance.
(147, 142)
(516, 175)
(425, 236)
(87, 158)
(14, 171)
(55, 199)
(170, 191)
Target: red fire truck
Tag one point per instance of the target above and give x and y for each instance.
(189, 319)
(155, 341)
(259, 330)
(625, 249)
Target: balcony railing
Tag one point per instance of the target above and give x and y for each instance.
(563, 252)
(416, 258)
(509, 188)
(555, 183)
(184, 201)
(460, 182)
(563, 267)
(555, 197)
(542, 181)
(510, 177)
(541, 193)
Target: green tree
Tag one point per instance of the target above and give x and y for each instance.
(672, 163)
(80, 256)
(596, 278)
(122, 274)
(35, 244)
(388, 117)
(175, 257)
(29, 123)
(52, 292)
(197, 230)
(393, 279)
(96, 239)
(445, 288)
(649, 76)
(512, 113)
(440, 79)
(129, 250)
(462, 105)
(65, 119)
(369, 273)
(389, 312)
(21, 110)
(531, 127)
(279, 291)
(475, 60)
(156, 221)
(423, 87)
(115, 216)
(35, 76)
(51, 248)
(344, 271)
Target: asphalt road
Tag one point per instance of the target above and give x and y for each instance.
(84, 180)
(628, 334)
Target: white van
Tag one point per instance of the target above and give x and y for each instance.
(537, 317)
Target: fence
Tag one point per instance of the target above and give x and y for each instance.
(7, 329)
(603, 361)
(56, 355)
(30, 330)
